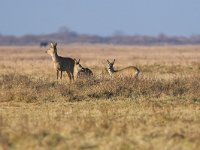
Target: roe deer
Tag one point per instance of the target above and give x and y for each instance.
(130, 71)
(61, 63)
(82, 71)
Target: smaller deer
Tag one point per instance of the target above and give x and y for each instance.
(130, 71)
(82, 71)
(61, 63)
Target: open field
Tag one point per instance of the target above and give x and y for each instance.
(160, 110)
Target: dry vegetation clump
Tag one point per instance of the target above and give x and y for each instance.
(27, 89)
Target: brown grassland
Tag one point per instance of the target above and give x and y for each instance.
(159, 110)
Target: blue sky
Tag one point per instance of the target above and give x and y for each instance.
(101, 17)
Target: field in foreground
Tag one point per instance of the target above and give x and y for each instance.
(160, 110)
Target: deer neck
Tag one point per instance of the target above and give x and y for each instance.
(81, 67)
(55, 57)
(111, 71)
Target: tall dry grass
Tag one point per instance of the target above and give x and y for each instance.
(23, 88)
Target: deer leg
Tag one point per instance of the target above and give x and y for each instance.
(61, 75)
(72, 76)
(57, 74)
(69, 76)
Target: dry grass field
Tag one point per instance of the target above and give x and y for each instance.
(159, 110)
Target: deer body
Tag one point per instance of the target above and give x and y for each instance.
(61, 63)
(82, 71)
(130, 71)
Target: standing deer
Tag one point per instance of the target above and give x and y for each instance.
(61, 63)
(130, 71)
(82, 71)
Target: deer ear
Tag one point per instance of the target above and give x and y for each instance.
(108, 61)
(74, 59)
(51, 44)
(78, 60)
(55, 44)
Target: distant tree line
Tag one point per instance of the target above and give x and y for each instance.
(67, 37)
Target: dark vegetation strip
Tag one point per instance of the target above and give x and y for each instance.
(15, 87)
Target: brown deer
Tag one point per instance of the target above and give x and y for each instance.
(82, 71)
(130, 71)
(61, 63)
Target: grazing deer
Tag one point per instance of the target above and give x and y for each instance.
(130, 71)
(61, 63)
(82, 71)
